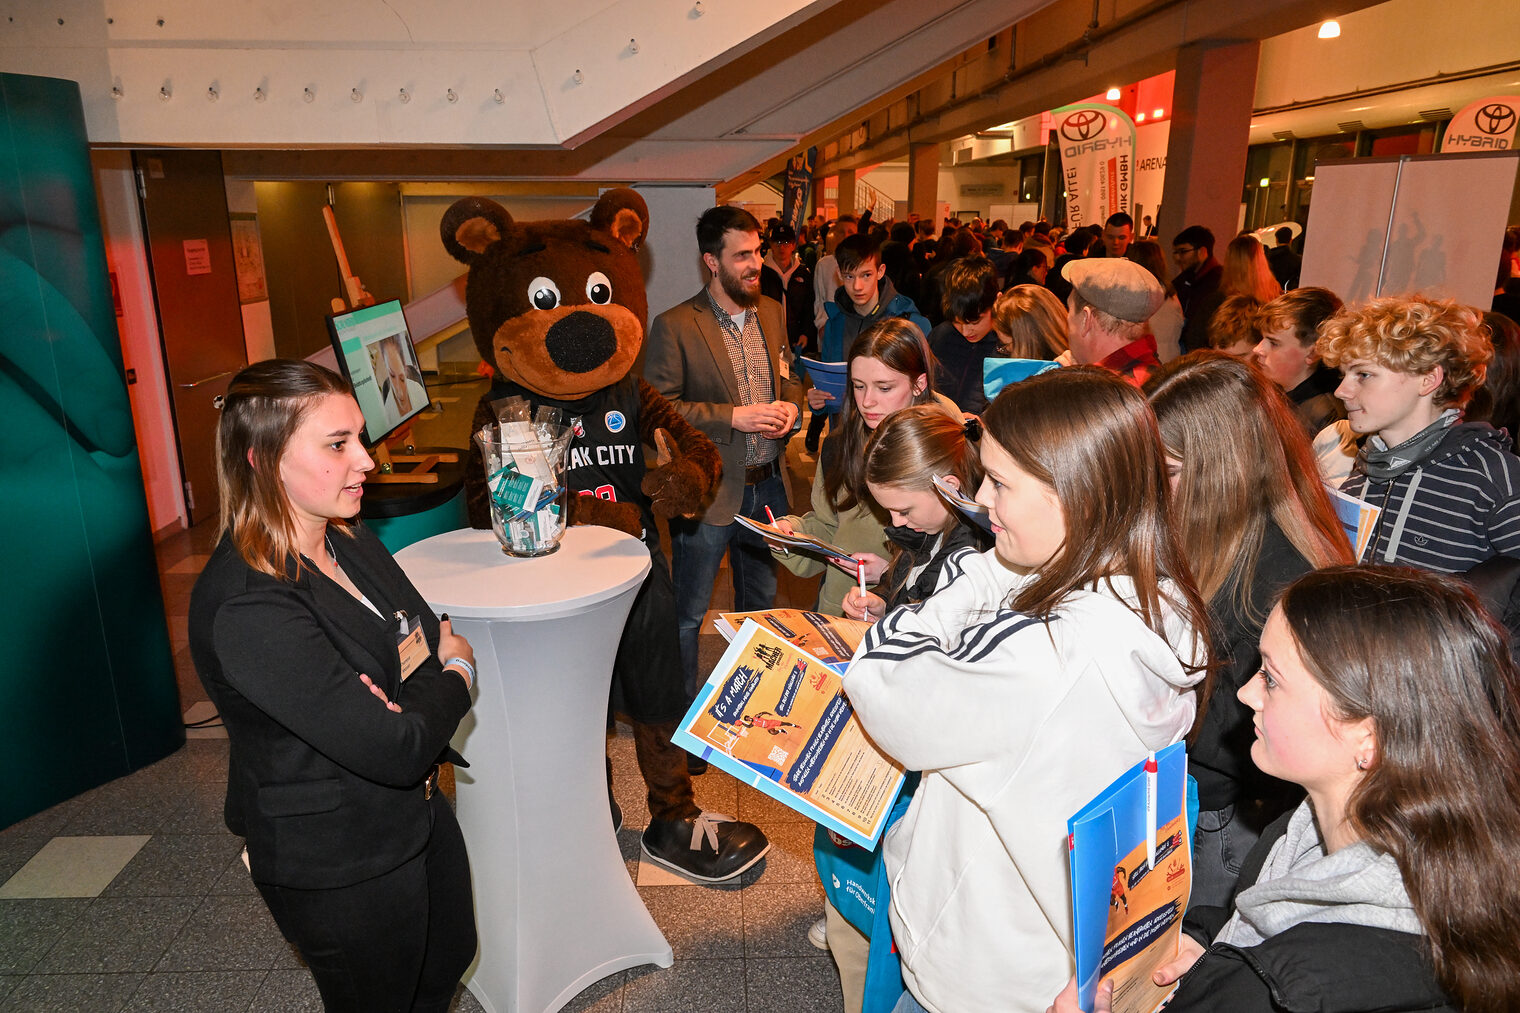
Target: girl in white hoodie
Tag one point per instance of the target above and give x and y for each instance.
(1037, 673)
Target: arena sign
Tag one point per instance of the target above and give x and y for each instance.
(1097, 161)
(1486, 125)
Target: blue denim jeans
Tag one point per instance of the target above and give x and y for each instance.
(908, 1004)
(696, 552)
(1223, 840)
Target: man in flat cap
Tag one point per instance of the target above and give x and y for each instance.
(1110, 303)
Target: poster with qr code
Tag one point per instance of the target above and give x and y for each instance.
(776, 717)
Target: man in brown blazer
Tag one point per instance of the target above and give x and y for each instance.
(722, 359)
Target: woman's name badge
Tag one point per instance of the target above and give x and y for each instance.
(412, 647)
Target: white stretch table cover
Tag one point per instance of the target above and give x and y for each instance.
(555, 907)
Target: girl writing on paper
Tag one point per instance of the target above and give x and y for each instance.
(1035, 675)
(890, 368)
(1391, 697)
(1250, 523)
(903, 456)
(340, 691)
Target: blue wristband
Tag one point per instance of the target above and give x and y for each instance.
(469, 669)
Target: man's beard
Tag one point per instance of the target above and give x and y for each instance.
(734, 288)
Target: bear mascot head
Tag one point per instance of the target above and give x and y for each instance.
(558, 310)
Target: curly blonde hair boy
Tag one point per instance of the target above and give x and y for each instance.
(1414, 335)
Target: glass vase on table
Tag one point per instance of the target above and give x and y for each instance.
(525, 480)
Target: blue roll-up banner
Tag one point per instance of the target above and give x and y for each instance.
(798, 191)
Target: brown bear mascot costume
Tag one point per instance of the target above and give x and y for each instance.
(558, 309)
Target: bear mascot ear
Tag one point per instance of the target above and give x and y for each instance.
(623, 213)
(470, 225)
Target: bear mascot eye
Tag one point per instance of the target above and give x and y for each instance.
(543, 293)
(598, 288)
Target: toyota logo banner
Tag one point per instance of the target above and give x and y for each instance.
(1486, 125)
(1097, 161)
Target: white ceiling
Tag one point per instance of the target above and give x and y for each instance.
(708, 94)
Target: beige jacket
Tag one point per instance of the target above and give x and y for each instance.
(686, 360)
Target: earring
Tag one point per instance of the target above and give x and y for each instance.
(1361, 763)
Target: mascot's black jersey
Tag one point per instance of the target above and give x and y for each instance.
(606, 457)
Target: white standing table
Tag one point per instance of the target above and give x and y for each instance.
(554, 905)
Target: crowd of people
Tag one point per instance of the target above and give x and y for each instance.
(1162, 561)
(1167, 563)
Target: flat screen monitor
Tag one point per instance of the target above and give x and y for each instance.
(375, 351)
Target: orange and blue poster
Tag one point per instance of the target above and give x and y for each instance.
(777, 718)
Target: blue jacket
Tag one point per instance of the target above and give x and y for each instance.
(843, 323)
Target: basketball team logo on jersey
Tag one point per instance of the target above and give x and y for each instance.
(615, 422)
(577, 426)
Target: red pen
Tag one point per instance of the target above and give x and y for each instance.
(784, 550)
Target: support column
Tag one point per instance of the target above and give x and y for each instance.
(923, 179)
(673, 269)
(1206, 152)
(846, 199)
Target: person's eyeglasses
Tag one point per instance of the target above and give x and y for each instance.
(1178, 251)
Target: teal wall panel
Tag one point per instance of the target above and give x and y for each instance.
(89, 693)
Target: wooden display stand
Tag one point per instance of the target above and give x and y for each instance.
(421, 473)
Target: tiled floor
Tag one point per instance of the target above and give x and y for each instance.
(137, 899)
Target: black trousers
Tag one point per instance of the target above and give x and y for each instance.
(398, 943)
(648, 665)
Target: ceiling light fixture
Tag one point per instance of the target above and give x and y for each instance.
(1330, 30)
(1112, 94)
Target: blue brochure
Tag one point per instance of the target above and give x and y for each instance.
(1131, 873)
(830, 377)
(999, 373)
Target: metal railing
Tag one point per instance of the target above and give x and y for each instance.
(886, 207)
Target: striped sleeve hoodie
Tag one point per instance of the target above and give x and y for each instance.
(1016, 723)
(1451, 511)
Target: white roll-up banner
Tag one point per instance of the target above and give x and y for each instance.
(1488, 124)
(1097, 161)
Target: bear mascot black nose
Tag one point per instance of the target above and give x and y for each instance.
(580, 342)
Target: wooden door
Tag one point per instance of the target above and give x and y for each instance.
(184, 212)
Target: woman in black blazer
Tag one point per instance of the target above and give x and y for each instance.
(339, 690)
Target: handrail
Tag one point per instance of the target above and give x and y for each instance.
(886, 207)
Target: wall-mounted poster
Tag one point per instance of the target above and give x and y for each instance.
(248, 259)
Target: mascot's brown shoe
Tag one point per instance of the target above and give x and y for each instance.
(709, 847)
